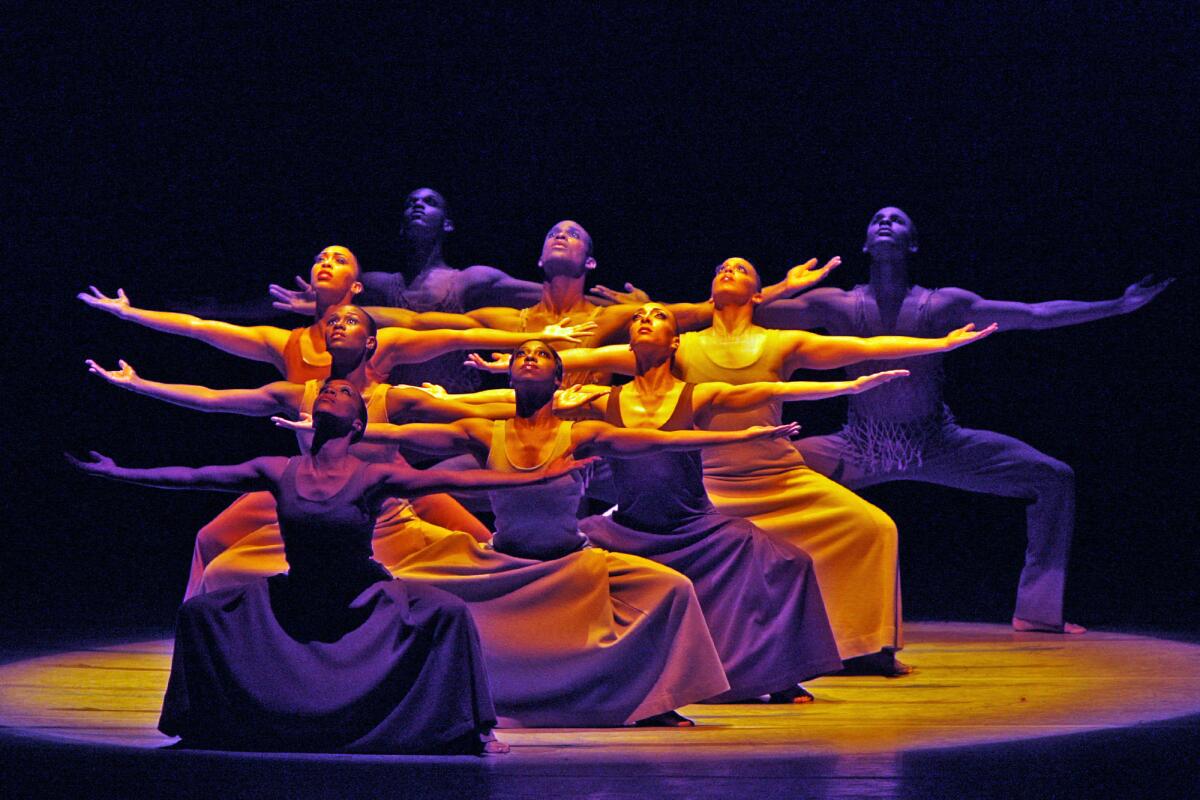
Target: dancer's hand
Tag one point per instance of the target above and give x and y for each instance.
(117, 306)
(967, 334)
(302, 425)
(566, 464)
(564, 331)
(97, 464)
(124, 377)
(867, 382)
(807, 275)
(1142, 292)
(498, 364)
(604, 296)
(301, 301)
(773, 431)
(575, 397)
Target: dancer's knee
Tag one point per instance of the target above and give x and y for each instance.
(1052, 472)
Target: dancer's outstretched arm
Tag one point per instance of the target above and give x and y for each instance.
(404, 346)
(602, 439)
(279, 397)
(255, 342)
(813, 351)
(410, 482)
(610, 358)
(721, 397)
(469, 435)
(963, 306)
(249, 476)
(406, 403)
(799, 278)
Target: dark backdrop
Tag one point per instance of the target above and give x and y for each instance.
(194, 156)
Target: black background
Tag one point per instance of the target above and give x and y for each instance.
(193, 155)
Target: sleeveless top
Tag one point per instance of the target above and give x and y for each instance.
(535, 521)
(656, 492)
(572, 377)
(300, 362)
(444, 294)
(327, 543)
(763, 456)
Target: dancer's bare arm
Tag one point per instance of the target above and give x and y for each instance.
(962, 306)
(408, 481)
(279, 397)
(602, 439)
(412, 405)
(610, 358)
(255, 342)
(722, 397)
(404, 346)
(813, 351)
(250, 476)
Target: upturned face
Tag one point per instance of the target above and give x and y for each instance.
(426, 208)
(533, 362)
(340, 401)
(335, 271)
(347, 330)
(735, 281)
(566, 249)
(652, 323)
(890, 228)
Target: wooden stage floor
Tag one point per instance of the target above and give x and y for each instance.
(979, 687)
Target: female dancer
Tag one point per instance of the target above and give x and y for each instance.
(333, 655)
(612, 638)
(244, 541)
(853, 544)
(300, 355)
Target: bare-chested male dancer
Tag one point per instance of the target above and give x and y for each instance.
(852, 543)
(905, 432)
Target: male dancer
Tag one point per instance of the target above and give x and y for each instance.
(852, 543)
(424, 283)
(906, 432)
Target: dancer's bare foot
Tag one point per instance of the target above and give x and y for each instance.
(797, 694)
(1029, 626)
(667, 719)
(493, 746)
(882, 663)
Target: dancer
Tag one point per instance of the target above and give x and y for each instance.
(761, 601)
(334, 654)
(300, 355)
(567, 258)
(249, 544)
(852, 543)
(906, 432)
(426, 282)
(635, 644)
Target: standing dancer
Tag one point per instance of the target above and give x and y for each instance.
(852, 543)
(636, 643)
(333, 655)
(906, 432)
(424, 283)
(253, 545)
(761, 601)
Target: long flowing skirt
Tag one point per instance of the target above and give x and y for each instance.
(593, 638)
(262, 667)
(760, 597)
(853, 546)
